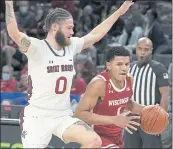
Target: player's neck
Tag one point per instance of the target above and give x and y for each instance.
(117, 83)
(51, 40)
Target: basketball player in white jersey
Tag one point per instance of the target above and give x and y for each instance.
(50, 70)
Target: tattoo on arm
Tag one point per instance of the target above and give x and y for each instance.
(87, 127)
(25, 42)
(8, 14)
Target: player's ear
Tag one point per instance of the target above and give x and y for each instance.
(55, 27)
(108, 65)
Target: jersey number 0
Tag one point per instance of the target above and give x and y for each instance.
(61, 85)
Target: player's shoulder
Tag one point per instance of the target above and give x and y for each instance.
(97, 83)
(104, 75)
(35, 42)
(76, 39)
(35, 39)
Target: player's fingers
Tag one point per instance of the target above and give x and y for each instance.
(133, 117)
(132, 127)
(130, 2)
(134, 123)
(126, 113)
(128, 130)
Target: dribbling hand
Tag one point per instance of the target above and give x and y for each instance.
(127, 122)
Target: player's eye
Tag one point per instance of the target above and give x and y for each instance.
(119, 64)
(127, 64)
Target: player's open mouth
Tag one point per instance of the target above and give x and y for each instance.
(123, 74)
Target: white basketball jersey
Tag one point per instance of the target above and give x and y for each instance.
(50, 75)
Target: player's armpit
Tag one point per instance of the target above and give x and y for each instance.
(89, 40)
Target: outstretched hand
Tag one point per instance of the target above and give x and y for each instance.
(9, 2)
(125, 6)
(126, 122)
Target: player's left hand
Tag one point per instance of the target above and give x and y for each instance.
(125, 6)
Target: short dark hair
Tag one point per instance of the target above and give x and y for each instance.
(55, 16)
(116, 51)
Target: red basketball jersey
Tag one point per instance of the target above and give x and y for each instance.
(114, 102)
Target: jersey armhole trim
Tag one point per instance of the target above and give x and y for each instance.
(99, 76)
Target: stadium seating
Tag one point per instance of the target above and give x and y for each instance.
(165, 59)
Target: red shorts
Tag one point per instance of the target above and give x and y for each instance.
(112, 141)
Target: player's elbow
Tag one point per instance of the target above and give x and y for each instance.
(13, 33)
(79, 114)
(83, 115)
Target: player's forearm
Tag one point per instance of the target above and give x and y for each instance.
(11, 23)
(102, 29)
(134, 107)
(164, 101)
(92, 118)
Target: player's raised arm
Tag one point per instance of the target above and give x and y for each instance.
(101, 30)
(22, 40)
(94, 90)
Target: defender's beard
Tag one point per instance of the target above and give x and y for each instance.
(61, 40)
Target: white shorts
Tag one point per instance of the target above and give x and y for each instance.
(37, 131)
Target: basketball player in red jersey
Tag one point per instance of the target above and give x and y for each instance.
(107, 96)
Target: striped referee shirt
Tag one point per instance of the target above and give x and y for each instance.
(147, 81)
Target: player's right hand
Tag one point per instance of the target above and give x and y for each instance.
(9, 2)
(126, 122)
(125, 6)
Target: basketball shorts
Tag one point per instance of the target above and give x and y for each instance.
(112, 141)
(36, 132)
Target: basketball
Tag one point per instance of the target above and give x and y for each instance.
(154, 119)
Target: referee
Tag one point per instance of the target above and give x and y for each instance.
(150, 87)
